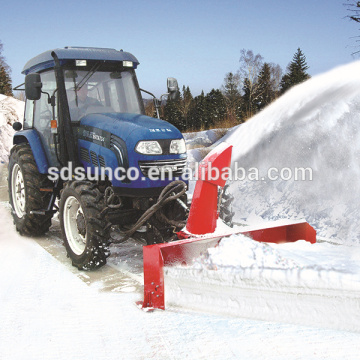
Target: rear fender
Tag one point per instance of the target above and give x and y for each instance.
(32, 137)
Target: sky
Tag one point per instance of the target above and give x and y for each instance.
(197, 42)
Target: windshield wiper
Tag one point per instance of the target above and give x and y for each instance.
(88, 75)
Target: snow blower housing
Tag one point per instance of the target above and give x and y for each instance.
(84, 110)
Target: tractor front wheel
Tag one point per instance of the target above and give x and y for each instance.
(85, 231)
(25, 195)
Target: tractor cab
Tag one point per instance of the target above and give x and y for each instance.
(68, 84)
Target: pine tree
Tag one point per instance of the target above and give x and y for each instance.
(265, 89)
(231, 86)
(197, 115)
(230, 90)
(5, 80)
(250, 98)
(173, 114)
(185, 105)
(215, 108)
(296, 72)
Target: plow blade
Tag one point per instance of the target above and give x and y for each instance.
(183, 252)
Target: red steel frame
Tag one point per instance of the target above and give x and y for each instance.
(184, 251)
(202, 220)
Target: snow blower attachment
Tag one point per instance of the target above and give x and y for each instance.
(200, 232)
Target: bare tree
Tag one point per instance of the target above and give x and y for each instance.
(353, 8)
(276, 76)
(250, 67)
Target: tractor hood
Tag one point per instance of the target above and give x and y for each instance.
(126, 126)
(110, 140)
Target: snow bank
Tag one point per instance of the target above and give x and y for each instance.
(239, 251)
(203, 138)
(315, 125)
(11, 110)
(302, 283)
(199, 144)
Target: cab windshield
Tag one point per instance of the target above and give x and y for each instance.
(91, 91)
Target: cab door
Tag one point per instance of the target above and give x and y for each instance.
(43, 114)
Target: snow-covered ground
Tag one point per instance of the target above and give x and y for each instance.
(297, 283)
(48, 310)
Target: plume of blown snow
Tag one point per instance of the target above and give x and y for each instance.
(315, 125)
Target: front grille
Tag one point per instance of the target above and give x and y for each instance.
(94, 159)
(174, 167)
(84, 155)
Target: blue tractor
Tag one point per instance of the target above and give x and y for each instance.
(87, 143)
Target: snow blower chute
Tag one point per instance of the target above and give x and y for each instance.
(200, 232)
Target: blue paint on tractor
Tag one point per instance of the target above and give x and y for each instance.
(131, 128)
(32, 137)
(140, 127)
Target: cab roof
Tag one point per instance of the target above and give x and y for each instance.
(46, 61)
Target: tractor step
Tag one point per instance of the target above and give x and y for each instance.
(42, 212)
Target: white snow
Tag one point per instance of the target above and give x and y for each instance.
(314, 125)
(203, 138)
(11, 110)
(47, 311)
(302, 283)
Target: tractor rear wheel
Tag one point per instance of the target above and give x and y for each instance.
(85, 231)
(24, 183)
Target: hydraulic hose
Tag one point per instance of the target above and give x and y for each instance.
(171, 192)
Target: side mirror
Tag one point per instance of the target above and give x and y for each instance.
(173, 88)
(17, 126)
(33, 86)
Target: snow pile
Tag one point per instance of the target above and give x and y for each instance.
(239, 251)
(302, 283)
(199, 144)
(11, 110)
(203, 138)
(315, 125)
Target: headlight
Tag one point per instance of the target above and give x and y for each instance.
(148, 148)
(177, 146)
